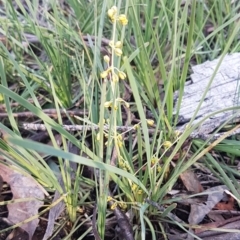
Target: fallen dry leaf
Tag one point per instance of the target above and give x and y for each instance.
(229, 205)
(208, 226)
(199, 211)
(54, 213)
(191, 182)
(215, 216)
(22, 187)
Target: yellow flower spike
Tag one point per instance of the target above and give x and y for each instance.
(122, 205)
(177, 133)
(122, 75)
(104, 74)
(136, 126)
(167, 144)
(122, 18)
(150, 122)
(153, 160)
(108, 104)
(121, 164)
(159, 168)
(115, 78)
(109, 198)
(128, 167)
(118, 44)
(115, 108)
(106, 59)
(118, 52)
(120, 144)
(119, 137)
(111, 43)
(140, 192)
(112, 12)
(80, 210)
(134, 187)
(114, 205)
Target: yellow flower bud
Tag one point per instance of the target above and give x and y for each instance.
(108, 104)
(112, 12)
(150, 122)
(115, 78)
(153, 160)
(119, 137)
(114, 205)
(118, 51)
(109, 198)
(136, 126)
(103, 121)
(122, 75)
(123, 19)
(140, 192)
(167, 144)
(128, 167)
(119, 143)
(111, 43)
(121, 164)
(122, 205)
(104, 74)
(114, 8)
(106, 58)
(177, 133)
(134, 187)
(118, 44)
(98, 137)
(115, 107)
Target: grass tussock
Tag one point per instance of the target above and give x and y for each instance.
(87, 103)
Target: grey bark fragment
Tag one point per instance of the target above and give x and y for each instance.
(223, 93)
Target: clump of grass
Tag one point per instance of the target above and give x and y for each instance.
(120, 70)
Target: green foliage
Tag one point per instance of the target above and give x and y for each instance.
(62, 67)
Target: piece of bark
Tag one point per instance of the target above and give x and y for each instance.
(223, 93)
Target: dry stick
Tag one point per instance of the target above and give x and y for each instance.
(16, 104)
(74, 128)
(123, 222)
(94, 223)
(50, 112)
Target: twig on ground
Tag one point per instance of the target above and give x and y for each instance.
(42, 127)
(50, 112)
(123, 222)
(94, 223)
(16, 104)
